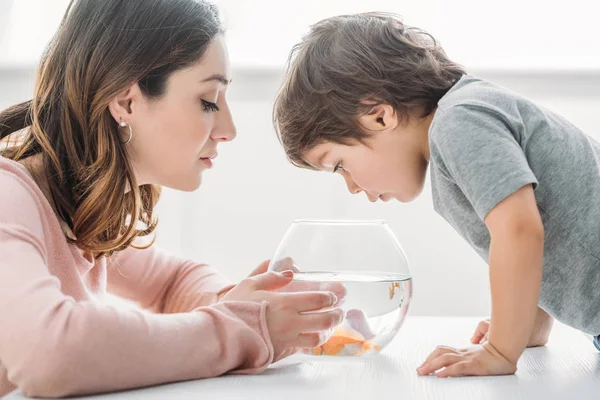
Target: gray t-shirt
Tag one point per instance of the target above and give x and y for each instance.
(486, 142)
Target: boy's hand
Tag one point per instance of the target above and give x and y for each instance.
(539, 335)
(481, 332)
(474, 361)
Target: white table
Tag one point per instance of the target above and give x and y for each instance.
(568, 367)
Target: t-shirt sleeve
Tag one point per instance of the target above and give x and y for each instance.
(475, 146)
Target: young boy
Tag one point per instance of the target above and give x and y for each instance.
(378, 102)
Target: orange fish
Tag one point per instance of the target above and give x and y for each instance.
(342, 340)
(393, 288)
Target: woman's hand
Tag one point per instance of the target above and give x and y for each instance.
(287, 264)
(477, 360)
(292, 319)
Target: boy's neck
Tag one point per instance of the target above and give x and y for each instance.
(425, 124)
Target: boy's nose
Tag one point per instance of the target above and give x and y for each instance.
(353, 188)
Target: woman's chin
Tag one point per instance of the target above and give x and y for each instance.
(185, 185)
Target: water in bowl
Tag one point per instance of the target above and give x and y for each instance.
(375, 306)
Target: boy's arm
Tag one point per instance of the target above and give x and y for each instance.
(516, 256)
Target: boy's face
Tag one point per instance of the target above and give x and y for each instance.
(390, 165)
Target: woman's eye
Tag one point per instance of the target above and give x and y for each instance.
(209, 106)
(337, 167)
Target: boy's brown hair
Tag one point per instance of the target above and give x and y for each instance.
(348, 64)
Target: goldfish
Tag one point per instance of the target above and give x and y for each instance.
(352, 338)
(393, 287)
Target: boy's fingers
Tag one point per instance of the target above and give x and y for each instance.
(482, 329)
(477, 336)
(458, 369)
(440, 362)
(438, 352)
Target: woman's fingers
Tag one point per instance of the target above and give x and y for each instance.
(310, 301)
(357, 319)
(321, 321)
(336, 288)
(261, 269)
(310, 340)
(269, 280)
(284, 264)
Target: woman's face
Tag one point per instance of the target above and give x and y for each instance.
(175, 138)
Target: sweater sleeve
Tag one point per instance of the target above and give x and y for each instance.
(164, 283)
(52, 345)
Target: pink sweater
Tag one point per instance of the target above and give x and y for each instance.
(58, 338)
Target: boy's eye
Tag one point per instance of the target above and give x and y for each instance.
(209, 106)
(337, 167)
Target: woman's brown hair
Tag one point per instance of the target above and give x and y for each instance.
(100, 49)
(348, 64)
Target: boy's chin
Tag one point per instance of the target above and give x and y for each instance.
(406, 197)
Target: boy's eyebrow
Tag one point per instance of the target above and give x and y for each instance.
(322, 158)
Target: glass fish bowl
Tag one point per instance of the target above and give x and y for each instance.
(361, 262)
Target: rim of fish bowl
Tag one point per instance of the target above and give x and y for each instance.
(340, 221)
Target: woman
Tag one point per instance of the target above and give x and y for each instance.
(130, 96)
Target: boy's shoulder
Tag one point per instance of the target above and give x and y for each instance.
(475, 102)
(477, 92)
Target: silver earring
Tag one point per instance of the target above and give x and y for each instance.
(124, 124)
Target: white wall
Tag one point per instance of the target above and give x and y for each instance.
(252, 195)
(513, 34)
(486, 34)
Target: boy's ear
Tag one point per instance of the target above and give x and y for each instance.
(380, 117)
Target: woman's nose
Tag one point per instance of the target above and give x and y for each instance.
(225, 130)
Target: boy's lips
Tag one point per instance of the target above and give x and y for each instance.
(382, 197)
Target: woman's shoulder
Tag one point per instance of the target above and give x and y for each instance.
(16, 176)
(21, 200)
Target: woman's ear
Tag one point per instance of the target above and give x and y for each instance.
(380, 117)
(122, 106)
